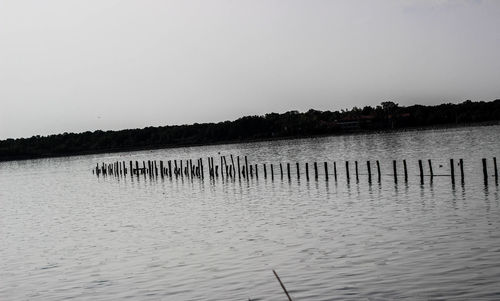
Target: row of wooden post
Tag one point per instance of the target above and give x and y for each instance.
(234, 168)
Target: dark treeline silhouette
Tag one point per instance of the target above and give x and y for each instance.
(388, 115)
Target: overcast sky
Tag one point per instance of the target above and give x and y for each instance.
(72, 66)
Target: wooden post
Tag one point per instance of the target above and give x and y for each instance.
(378, 171)
(452, 171)
(395, 171)
(131, 169)
(495, 169)
(356, 168)
(307, 171)
(485, 172)
(161, 168)
(315, 170)
(298, 170)
(326, 170)
(281, 170)
(170, 168)
(256, 171)
(221, 167)
(420, 166)
(251, 171)
(369, 171)
(347, 169)
(232, 164)
(265, 171)
(430, 168)
(137, 167)
(405, 170)
(288, 170)
(246, 166)
(272, 172)
(239, 169)
(335, 170)
(156, 169)
(462, 171)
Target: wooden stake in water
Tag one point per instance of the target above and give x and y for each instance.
(485, 172)
(347, 170)
(356, 168)
(272, 172)
(462, 171)
(246, 166)
(430, 168)
(368, 168)
(495, 169)
(326, 170)
(421, 168)
(316, 170)
(452, 171)
(395, 171)
(298, 170)
(307, 171)
(378, 171)
(335, 170)
(405, 168)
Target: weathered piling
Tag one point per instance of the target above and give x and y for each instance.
(265, 171)
(239, 170)
(405, 168)
(369, 170)
(421, 168)
(395, 171)
(335, 170)
(298, 170)
(452, 171)
(462, 178)
(430, 168)
(315, 170)
(378, 171)
(232, 164)
(251, 171)
(356, 169)
(161, 169)
(256, 171)
(281, 170)
(246, 166)
(326, 170)
(495, 170)
(288, 170)
(272, 172)
(307, 171)
(347, 170)
(485, 172)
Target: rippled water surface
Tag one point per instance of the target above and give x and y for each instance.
(66, 234)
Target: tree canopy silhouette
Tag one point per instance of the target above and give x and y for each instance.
(388, 115)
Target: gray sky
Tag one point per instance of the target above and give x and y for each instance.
(72, 66)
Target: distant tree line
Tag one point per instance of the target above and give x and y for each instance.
(388, 115)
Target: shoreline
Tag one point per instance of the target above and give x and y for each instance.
(344, 133)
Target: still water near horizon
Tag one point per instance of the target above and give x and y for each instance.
(66, 234)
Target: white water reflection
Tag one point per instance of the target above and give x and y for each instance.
(68, 234)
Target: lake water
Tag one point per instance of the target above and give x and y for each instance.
(66, 234)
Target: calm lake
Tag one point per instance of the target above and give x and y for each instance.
(67, 234)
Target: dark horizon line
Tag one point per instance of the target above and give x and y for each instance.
(292, 124)
(224, 121)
